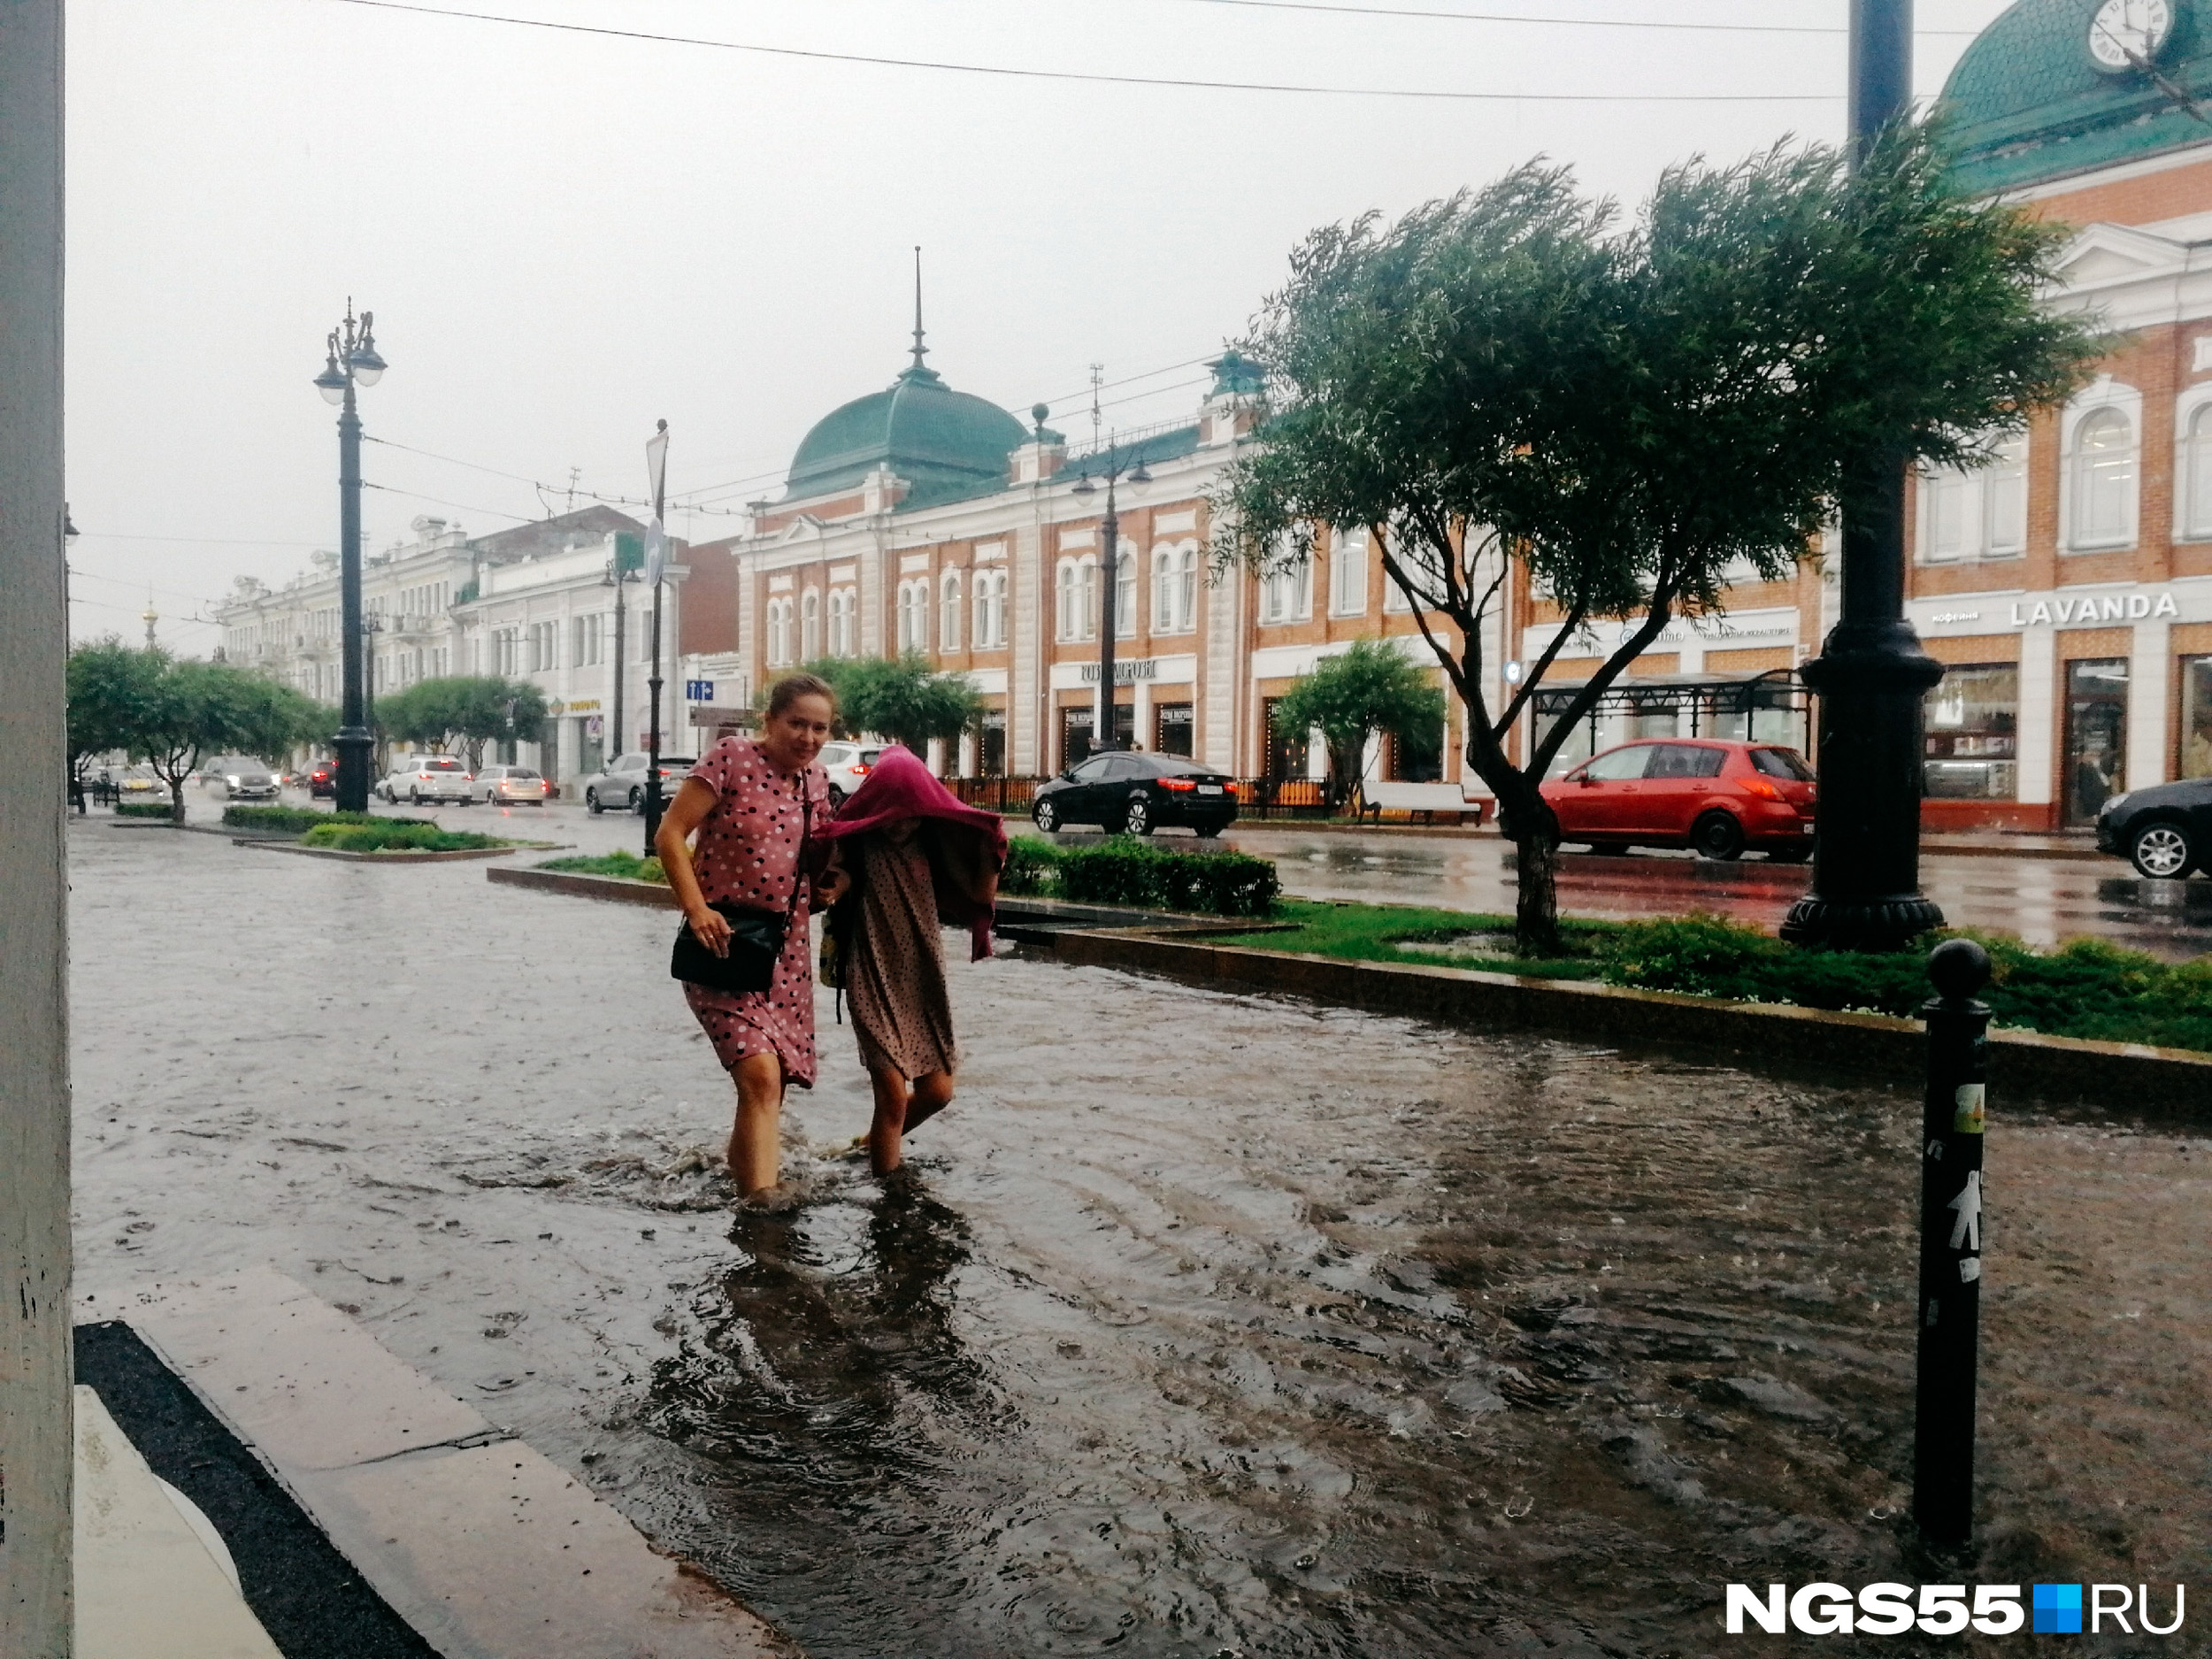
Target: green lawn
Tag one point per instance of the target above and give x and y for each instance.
(1378, 933)
(622, 866)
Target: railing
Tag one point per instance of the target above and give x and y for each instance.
(1282, 798)
(995, 794)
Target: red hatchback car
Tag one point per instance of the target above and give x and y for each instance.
(1716, 797)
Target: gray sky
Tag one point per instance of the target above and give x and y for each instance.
(566, 237)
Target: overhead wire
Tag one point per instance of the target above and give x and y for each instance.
(1589, 23)
(458, 506)
(1092, 77)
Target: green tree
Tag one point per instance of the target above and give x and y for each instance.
(464, 712)
(190, 710)
(899, 698)
(109, 686)
(1372, 687)
(1629, 411)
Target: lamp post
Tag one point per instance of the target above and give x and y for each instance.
(1870, 675)
(622, 568)
(1115, 465)
(352, 359)
(656, 564)
(372, 625)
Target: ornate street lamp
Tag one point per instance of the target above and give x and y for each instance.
(352, 359)
(655, 567)
(1116, 466)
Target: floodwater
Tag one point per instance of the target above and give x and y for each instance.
(1202, 1324)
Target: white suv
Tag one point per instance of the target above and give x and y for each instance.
(847, 763)
(416, 779)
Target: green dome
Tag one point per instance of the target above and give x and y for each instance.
(2029, 104)
(946, 443)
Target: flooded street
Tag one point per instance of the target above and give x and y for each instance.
(1202, 1325)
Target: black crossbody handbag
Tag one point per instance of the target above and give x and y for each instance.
(756, 936)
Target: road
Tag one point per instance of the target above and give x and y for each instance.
(2044, 901)
(1206, 1324)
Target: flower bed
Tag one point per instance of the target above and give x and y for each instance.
(297, 819)
(2086, 988)
(620, 867)
(1123, 870)
(142, 809)
(388, 835)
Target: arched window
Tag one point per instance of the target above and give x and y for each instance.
(2196, 472)
(778, 632)
(840, 635)
(1166, 613)
(1068, 614)
(810, 627)
(949, 612)
(1187, 585)
(1125, 592)
(2104, 480)
(1286, 590)
(2005, 499)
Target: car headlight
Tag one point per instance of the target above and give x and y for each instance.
(235, 780)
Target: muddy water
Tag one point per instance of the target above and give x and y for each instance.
(1204, 1324)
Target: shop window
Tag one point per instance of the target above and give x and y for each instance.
(991, 752)
(1173, 728)
(2096, 735)
(1971, 734)
(2104, 480)
(1417, 756)
(1289, 748)
(2196, 717)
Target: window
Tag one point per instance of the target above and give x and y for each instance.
(1424, 568)
(778, 632)
(1187, 595)
(914, 615)
(1620, 764)
(2196, 717)
(1783, 762)
(1078, 599)
(1978, 514)
(2196, 475)
(844, 608)
(1067, 615)
(809, 627)
(1126, 592)
(2096, 735)
(949, 612)
(1173, 728)
(990, 610)
(1166, 609)
(1686, 760)
(1347, 572)
(2104, 480)
(1972, 738)
(1286, 590)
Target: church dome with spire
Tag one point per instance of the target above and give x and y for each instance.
(945, 444)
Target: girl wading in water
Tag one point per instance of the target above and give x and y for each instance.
(756, 803)
(907, 858)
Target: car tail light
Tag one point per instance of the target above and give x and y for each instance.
(859, 771)
(1759, 787)
(1227, 788)
(1180, 786)
(424, 776)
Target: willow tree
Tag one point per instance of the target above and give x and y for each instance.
(1630, 411)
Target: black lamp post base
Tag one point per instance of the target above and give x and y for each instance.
(1880, 924)
(355, 745)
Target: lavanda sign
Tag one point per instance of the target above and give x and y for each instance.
(2094, 608)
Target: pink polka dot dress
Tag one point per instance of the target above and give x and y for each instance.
(747, 851)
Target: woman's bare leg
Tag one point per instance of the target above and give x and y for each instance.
(756, 1146)
(885, 1152)
(932, 1094)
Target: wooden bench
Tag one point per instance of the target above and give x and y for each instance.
(1421, 800)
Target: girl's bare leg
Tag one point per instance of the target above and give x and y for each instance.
(756, 1147)
(885, 1134)
(932, 1094)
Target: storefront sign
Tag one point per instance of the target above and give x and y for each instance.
(583, 705)
(2093, 608)
(1124, 672)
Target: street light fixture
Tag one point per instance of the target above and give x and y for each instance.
(351, 358)
(655, 568)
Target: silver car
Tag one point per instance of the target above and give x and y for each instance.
(241, 778)
(621, 787)
(419, 778)
(509, 785)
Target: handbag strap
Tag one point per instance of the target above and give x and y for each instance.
(806, 834)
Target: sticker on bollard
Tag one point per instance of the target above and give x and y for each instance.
(1966, 1119)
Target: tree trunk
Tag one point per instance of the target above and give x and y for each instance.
(176, 799)
(1528, 821)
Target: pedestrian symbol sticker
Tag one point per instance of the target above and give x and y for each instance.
(1967, 1230)
(1966, 1117)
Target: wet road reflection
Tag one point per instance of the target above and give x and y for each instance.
(2044, 901)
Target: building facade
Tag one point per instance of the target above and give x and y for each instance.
(537, 602)
(919, 518)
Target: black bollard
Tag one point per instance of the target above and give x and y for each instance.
(1950, 1307)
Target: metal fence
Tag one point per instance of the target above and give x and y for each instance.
(996, 794)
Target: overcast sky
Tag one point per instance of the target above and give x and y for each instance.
(566, 236)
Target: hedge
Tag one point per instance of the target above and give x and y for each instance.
(621, 865)
(298, 820)
(1123, 870)
(397, 835)
(143, 809)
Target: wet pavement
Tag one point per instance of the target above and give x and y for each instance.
(1202, 1324)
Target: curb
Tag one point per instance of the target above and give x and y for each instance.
(376, 858)
(614, 887)
(1873, 1047)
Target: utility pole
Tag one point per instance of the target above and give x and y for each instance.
(656, 566)
(36, 1418)
(1870, 675)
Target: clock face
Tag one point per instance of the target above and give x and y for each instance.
(2126, 33)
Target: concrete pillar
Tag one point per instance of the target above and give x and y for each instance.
(35, 1403)
(2150, 683)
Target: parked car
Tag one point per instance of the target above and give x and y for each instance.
(241, 778)
(847, 763)
(417, 779)
(1714, 796)
(1124, 790)
(140, 783)
(622, 785)
(509, 785)
(2165, 831)
(322, 779)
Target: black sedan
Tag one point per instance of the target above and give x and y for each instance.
(1137, 793)
(2165, 831)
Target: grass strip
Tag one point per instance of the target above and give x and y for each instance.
(397, 835)
(2085, 988)
(1130, 869)
(620, 867)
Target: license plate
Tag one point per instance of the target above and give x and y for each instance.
(1210, 788)
(1807, 828)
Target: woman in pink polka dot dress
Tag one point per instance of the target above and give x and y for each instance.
(754, 803)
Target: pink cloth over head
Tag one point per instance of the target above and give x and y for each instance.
(966, 851)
